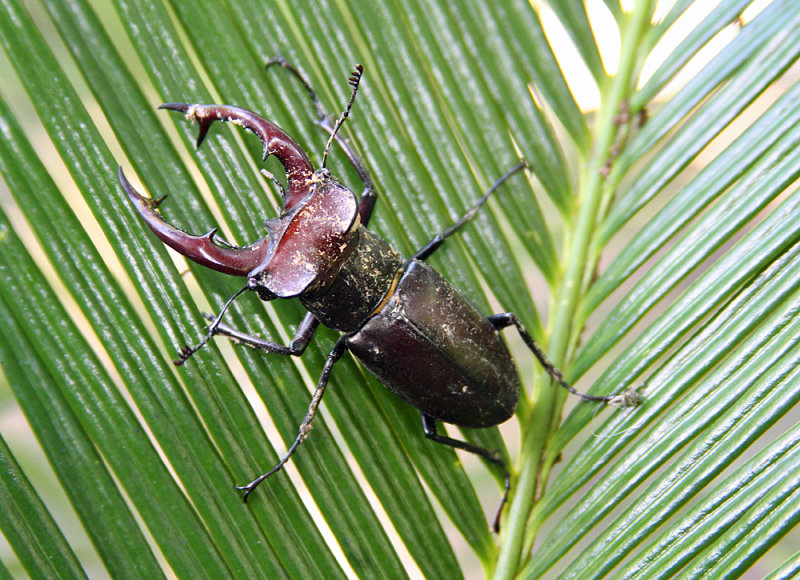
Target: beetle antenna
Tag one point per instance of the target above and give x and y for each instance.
(186, 351)
(355, 78)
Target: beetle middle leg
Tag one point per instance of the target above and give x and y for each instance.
(429, 427)
(500, 321)
(305, 427)
(436, 241)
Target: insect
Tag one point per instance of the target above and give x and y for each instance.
(404, 321)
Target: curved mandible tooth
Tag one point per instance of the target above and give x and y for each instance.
(200, 249)
(276, 142)
(203, 122)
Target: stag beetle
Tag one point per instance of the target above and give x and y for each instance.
(408, 325)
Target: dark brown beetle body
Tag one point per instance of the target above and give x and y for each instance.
(408, 325)
(419, 335)
(363, 281)
(430, 345)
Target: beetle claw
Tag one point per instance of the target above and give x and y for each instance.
(244, 491)
(279, 60)
(628, 398)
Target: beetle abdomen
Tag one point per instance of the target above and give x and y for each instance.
(429, 345)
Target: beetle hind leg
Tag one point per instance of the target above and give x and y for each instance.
(429, 427)
(499, 321)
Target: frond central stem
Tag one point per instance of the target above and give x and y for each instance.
(579, 265)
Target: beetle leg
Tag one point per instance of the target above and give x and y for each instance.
(305, 427)
(500, 321)
(368, 195)
(438, 239)
(188, 351)
(429, 427)
(302, 337)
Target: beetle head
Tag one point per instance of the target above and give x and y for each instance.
(310, 242)
(304, 246)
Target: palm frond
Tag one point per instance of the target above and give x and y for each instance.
(667, 247)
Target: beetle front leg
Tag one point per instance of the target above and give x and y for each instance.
(429, 427)
(305, 427)
(368, 195)
(302, 337)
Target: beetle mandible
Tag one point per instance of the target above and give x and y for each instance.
(389, 309)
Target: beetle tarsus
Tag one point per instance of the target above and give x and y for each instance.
(305, 427)
(437, 240)
(213, 330)
(626, 399)
(279, 60)
(184, 354)
(248, 489)
(503, 501)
